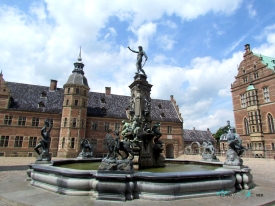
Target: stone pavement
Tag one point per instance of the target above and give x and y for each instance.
(14, 190)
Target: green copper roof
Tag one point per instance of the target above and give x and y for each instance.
(269, 61)
(250, 87)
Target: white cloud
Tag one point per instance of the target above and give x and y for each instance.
(251, 12)
(165, 42)
(268, 47)
(213, 121)
(144, 34)
(170, 24)
(38, 9)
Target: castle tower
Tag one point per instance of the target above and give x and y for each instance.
(74, 112)
(5, 94)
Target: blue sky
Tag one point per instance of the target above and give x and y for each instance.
(194, 47)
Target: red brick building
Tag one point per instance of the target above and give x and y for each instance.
(253, 95)
(75, 113)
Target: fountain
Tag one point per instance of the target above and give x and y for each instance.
(118, 176)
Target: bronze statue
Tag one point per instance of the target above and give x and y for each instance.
(140, 53)
(156, 132)
(44, 143)
(86, 148)
(115, 146)
(136, 127)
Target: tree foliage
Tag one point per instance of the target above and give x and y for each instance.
(220, 132)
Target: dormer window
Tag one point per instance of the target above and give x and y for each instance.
(103, 101)
(41, 104)
(273, 61)
(162, 114)
(159, 106)
(103, 110)
(43, 95)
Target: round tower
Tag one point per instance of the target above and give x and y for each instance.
(74, 112)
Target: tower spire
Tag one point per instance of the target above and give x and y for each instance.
(78, 66)
(79, 57)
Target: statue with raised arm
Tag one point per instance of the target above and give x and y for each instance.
(140, 54)
(45, 142)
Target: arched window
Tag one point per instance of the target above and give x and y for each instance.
(246, 126)
(270, 123)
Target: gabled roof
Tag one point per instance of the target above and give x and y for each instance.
(197, 136)
(26, 98)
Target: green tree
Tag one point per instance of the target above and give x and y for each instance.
(220, 132)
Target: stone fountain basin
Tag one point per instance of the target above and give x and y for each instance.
(139, 185)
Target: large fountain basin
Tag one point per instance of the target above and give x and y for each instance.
(139, 185)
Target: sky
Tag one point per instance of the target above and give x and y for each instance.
(193, 47)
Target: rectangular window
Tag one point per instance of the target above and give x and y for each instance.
(8, 120)
(245, 79)
(18, 141)
(75, 102)
(106, 126)
(169, 129)
(21, 121)
(65, 122)
(4, 141)
(74, 122)
(117, 127)
(67, 102)
(72, 143)
(32, 141)
(266, 95)
(35, 121)
(68, 90)
(243, 101)
(94, 125)
(77, 90)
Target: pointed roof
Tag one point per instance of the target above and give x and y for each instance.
(77, 77)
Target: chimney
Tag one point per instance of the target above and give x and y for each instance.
(53, 85)
(207, 129)
(194, 128)
(107, 90)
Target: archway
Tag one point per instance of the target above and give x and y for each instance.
(195, 148)
(170, 151)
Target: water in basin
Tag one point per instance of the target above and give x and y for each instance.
(170, 167)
